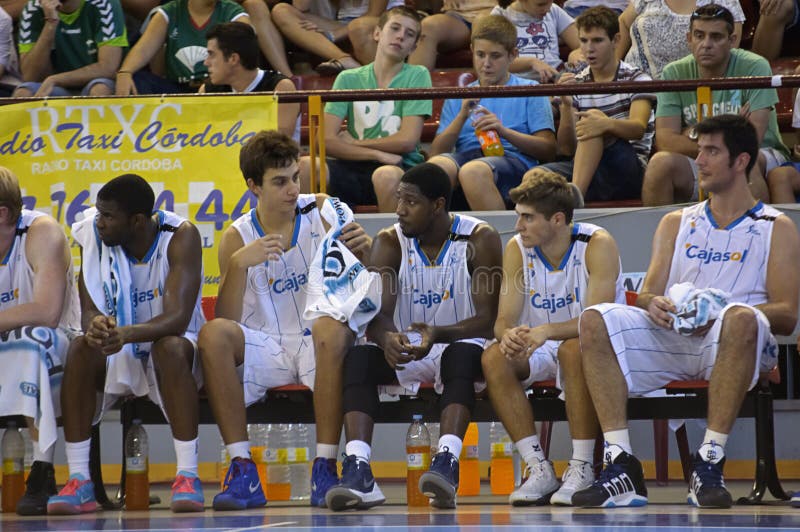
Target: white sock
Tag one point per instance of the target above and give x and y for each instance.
(239, 449)
(616, 442)
(327, 450)
(530, 449)
(43, 456)
(359, 448)
(186, 455)
(583, 450)
(453, 444)
(78, 457)
(713, 448)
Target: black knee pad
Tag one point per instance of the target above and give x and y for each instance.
(460, 368)
(363, 372)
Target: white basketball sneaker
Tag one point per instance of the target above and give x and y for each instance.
(538, 487)
(578, 475)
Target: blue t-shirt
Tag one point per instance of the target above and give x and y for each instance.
(524, 114)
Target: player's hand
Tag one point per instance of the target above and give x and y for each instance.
(100, 329)
(512, 344)
(428, 335)
(115, 341)
(356, 239)
(534, 338)
(396, 350)
(266, 248)
(659, 309)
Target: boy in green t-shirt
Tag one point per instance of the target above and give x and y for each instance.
(379, 132)
(70, 47)
(672, 174)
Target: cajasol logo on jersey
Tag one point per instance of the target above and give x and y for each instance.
(144, 296)
(552, 303)
(290, 283)
(430, 298)
(8, 296)
(706, 256)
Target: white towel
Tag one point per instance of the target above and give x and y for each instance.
(696, 307)
(107, 277)
(339, 285)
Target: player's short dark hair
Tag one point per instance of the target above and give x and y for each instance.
(131, 193)
(738, 135)
(432, 181)
(265, 150)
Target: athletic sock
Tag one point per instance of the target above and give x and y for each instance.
(78, 457)
(186, 455)
(530, 449)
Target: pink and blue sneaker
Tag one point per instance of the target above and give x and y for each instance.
(242, 487)
(187, 493)
(323, 478)
(76, 497)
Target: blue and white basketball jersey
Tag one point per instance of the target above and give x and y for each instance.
(438, 292)
(557, 293)
(732, 258)
(16, 276)
(276, 291)
(149, 277)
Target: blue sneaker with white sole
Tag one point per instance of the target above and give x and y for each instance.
(323, 478)
(242, 487)
(76, 497)
(357, 489)
(440, 482)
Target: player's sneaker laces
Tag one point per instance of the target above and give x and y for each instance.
(579, 475)
(357, 489)
(706, 485)
(242, 487)
(539, 485)
(440, 482)
(323, 478)
(621, 483)
(76, 497)
(187, 493)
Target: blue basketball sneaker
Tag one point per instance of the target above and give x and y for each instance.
(357, 489)
(706, 485)
(323, 478)
(242, 487)
(440, 482)
(76, 497)
(187, 493)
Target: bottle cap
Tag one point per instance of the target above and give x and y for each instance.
(417, 417)
(137, 421)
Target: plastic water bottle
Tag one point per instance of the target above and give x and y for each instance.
(137, 487)
(501, 477)
(433, 431)
(418, 460)
(469, 468)
(224, 464)
(26, 436)
(488, 138)
(13, 448)
(257, 434)
(517, 468)
(298, 462)
(278, 482)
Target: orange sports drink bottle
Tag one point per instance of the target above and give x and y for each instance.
(418, 460)
(469, 469)
(488, 138)
(501, 469)
(137, 486)
(13, 448)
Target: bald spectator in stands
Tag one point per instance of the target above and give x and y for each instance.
(671, 174)
(232, 64)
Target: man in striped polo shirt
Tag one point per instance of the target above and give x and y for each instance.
(608, 135)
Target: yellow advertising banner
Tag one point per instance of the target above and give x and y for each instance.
(186, 147)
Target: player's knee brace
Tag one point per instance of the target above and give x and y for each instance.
(360, 386)
(460, 368)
